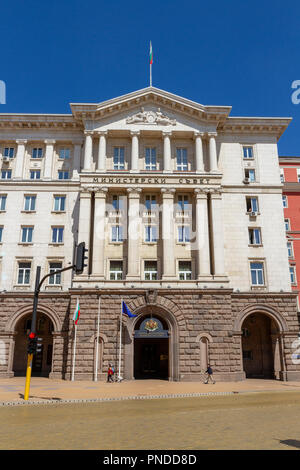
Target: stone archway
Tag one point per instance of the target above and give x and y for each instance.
(261, 329)
(18, 327)
(170, 319)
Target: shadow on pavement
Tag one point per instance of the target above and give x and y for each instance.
(21, 395)
(291, 442)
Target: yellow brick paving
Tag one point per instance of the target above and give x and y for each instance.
(265, 420)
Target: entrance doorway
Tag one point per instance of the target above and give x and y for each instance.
(261, 348)
(42, 361)
(151, 349)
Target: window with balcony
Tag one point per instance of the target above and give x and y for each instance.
(181, 159)
(150, 158)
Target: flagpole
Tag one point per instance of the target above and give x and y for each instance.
(74, 352)
(97, 344)
(120, 346)
(150, 74)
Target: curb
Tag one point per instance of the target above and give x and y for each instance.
(101, 400)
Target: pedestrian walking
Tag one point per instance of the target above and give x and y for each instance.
(209, 373)
(110, 373)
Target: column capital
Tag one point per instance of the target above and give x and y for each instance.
(134, 192)
(103, 132)
(49, 141)
(90, 133)
(135, 133)
(216, 193)
(168, 191)
(21, 141)
(201, 193)
(86, 191)
(100, 192)
(198, 134)
(212, 134)
(167, 133)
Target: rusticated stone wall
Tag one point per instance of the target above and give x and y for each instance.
(217, 315)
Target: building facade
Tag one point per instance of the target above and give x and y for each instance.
(180, 207)
(290, 177)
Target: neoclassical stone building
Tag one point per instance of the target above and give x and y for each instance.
(180, 207)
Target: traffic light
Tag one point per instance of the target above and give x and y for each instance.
(79, 260)
(32, 344)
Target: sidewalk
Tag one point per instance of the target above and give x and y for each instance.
(43, 389)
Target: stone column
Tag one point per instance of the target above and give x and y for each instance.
(199, 152)
(134, 151)
(213, 161)
(167, 152)
(101, 166)
(76, 160)
(99, 233)
(84, 226)
(48, 158)
(217, 232)
(168, 268)
(202, 234)
(20, 156)
(133, 237)
(88, 151)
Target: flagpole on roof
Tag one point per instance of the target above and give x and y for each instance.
(151, 62)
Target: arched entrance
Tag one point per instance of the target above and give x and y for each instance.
(42, 362)
(261, 349)
(151, 348)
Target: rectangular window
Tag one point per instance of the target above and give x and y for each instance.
(1, 233)
(150, 203)
(252, 204)
(293, 275)
(64, 153)
(248, 153)
(56, 278)
(117, 233)
(119, 158)
(117, 203)
(57, 234)
(24, 273)
(9, 152)
(287, 224)
(59, 203)
(2, 202)
(284, 201)
(150, 158)
(257, 273)
(6, 174)
(29, 203)
(35, 174)
(150, 271)
(116, 271)
(150, 233)
(250, 175)
(282, 176)
(185, 270)
(37, 152)
(63, 175)
(182, 162)
(183, 203)
(183, 233)
(254, 236)
(27, 233)
(298, 175)
(290, 249)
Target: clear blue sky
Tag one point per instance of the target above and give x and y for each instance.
(239, 53)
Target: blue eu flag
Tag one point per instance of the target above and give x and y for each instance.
(126, 311)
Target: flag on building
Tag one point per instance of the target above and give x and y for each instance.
(151, 54)
(126, 311)
(76, 313)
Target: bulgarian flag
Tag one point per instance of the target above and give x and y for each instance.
(151, 54)
(76, 313)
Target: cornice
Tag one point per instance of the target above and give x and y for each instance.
(39, 121)
(256, 125)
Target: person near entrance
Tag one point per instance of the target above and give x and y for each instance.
(209, 373)
(110, 373)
